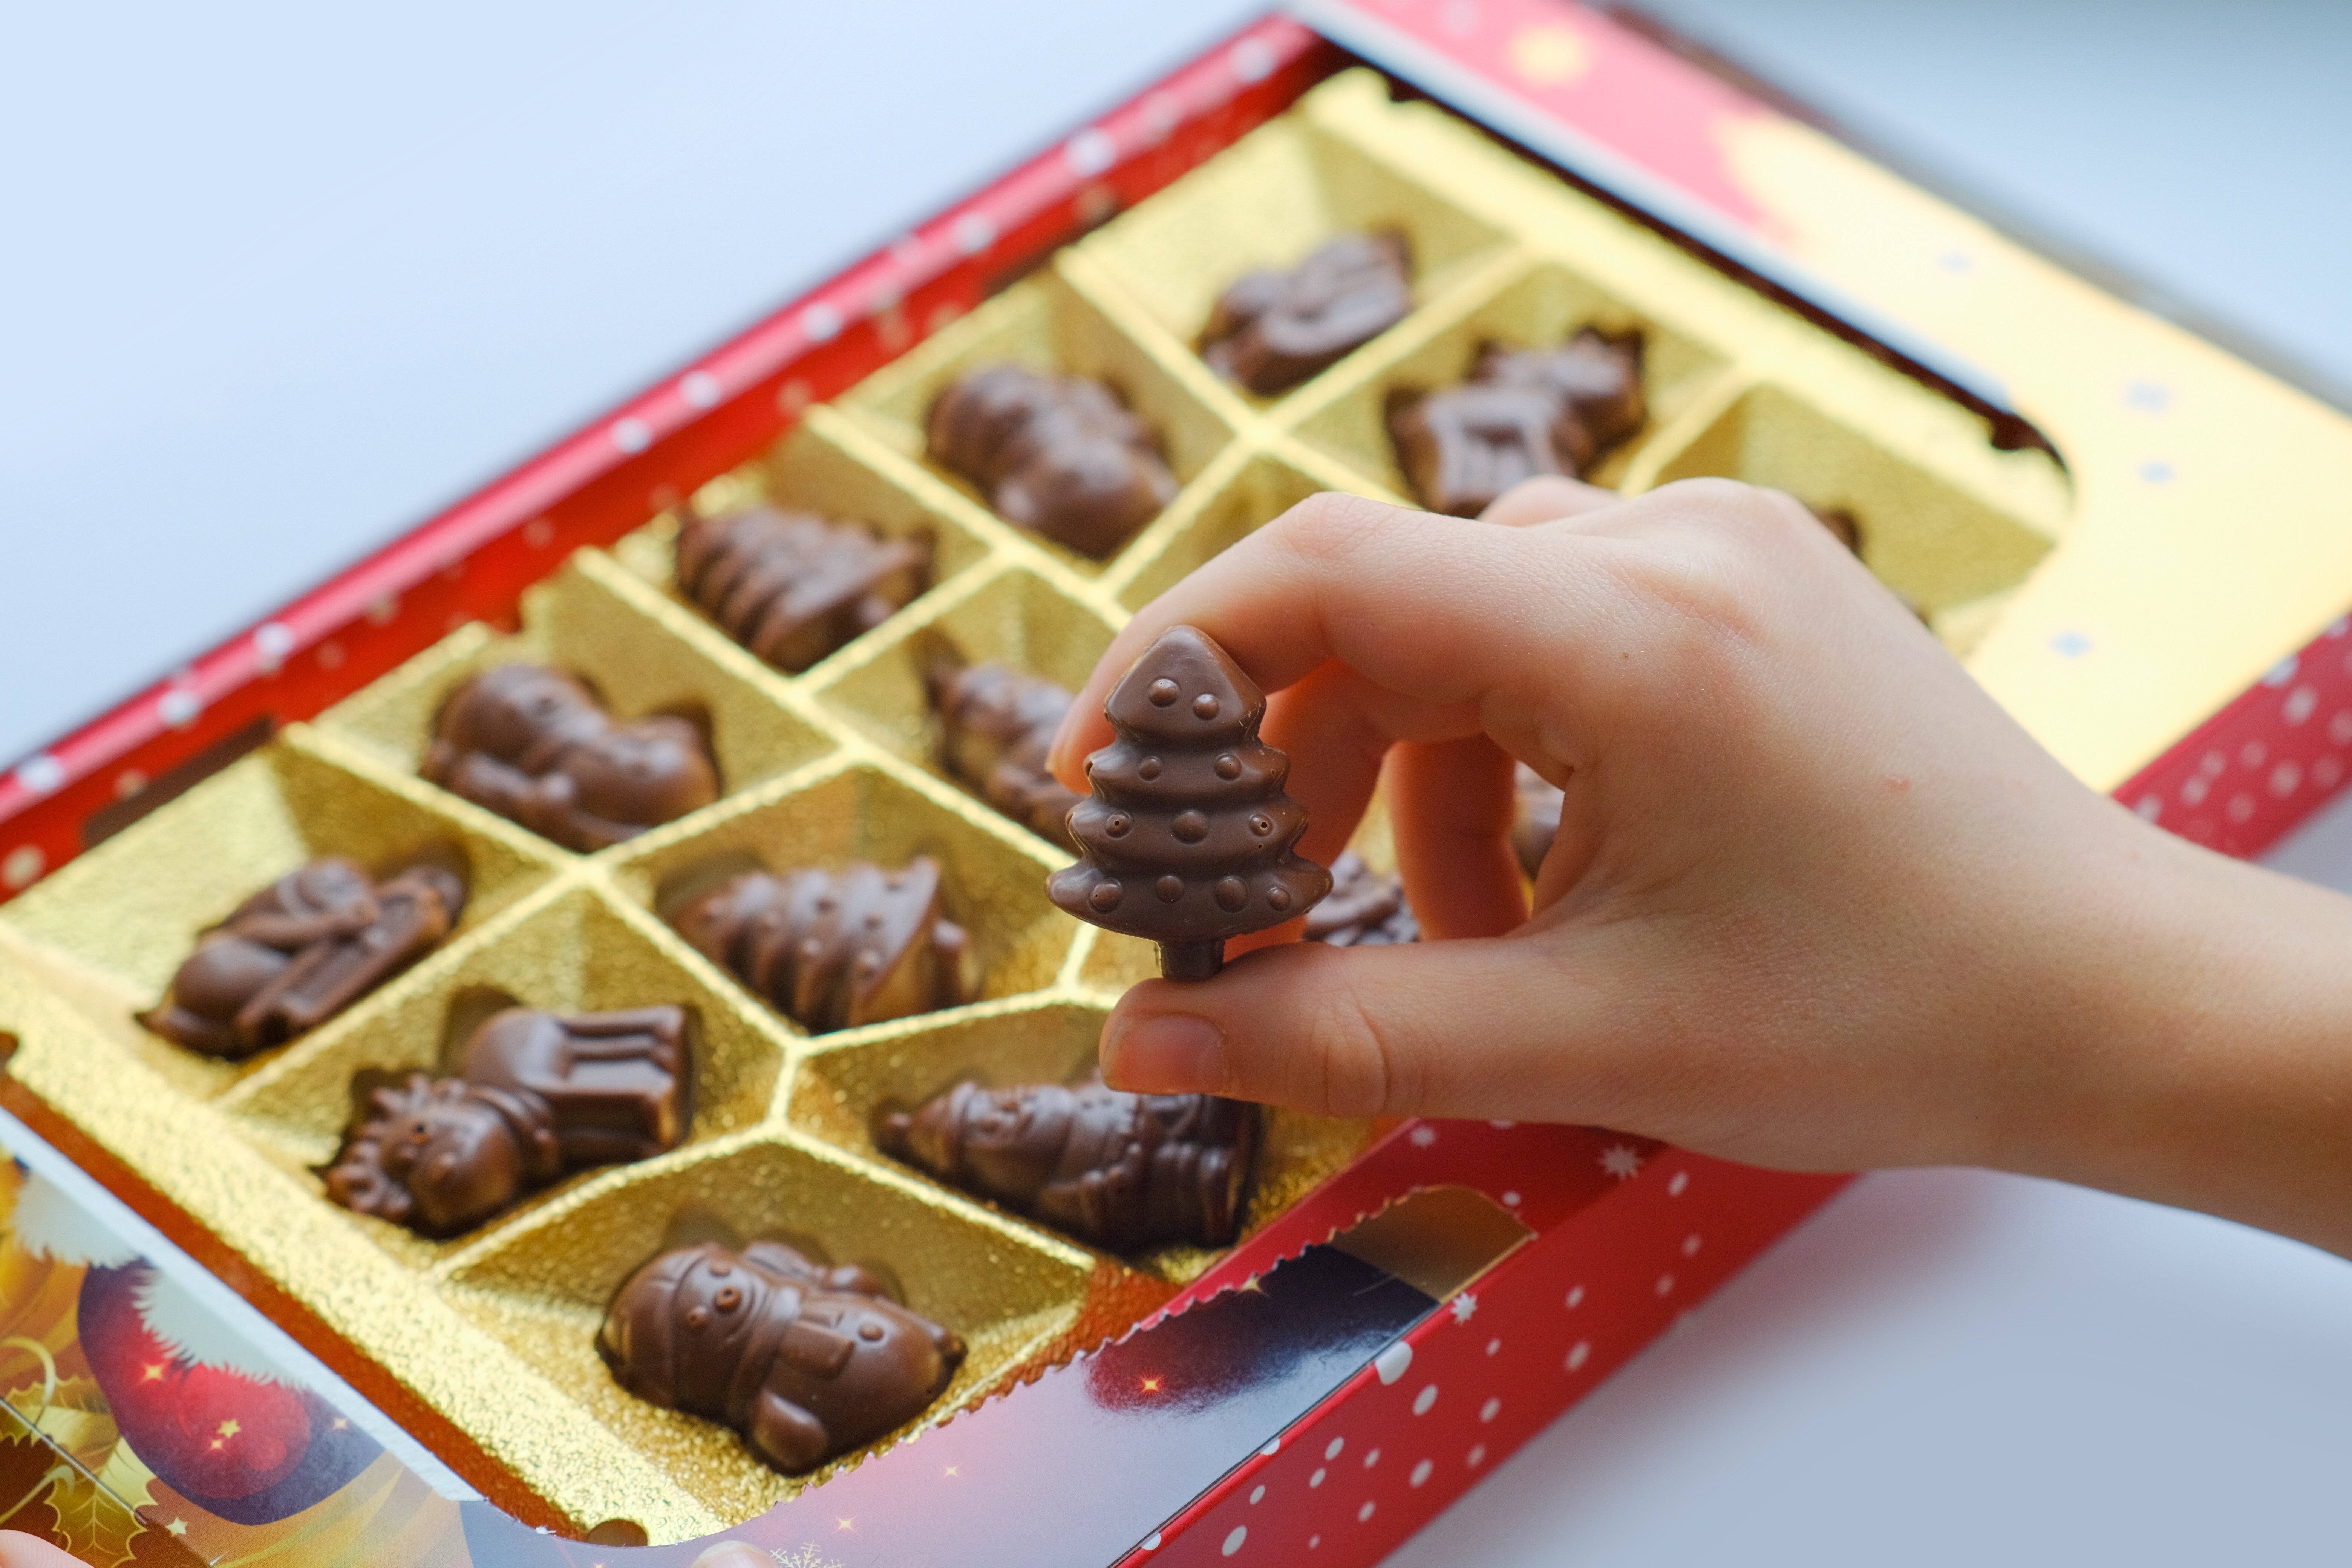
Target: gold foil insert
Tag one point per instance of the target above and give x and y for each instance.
(494, 1331)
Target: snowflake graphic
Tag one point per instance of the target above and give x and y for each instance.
(804, 1556)
(1466, 1307)
(1423, 1136)
(1619, 1161)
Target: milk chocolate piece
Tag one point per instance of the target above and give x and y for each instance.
(300, 951)
(1061, 456)
(792, 587)
(1364, 909)
(1188, 837)
(805, 1363)
(996, 726)
(1273, 330)
(1117, 1170)
(535, 1096)
(1523, 412)
(1534, 819)
(838, 949)
(534, 745)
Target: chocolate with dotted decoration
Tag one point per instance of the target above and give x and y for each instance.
(533, 744)
(792, 587)
(302, 950)
(1270, 331)
(1118, 1170)
(1060, 455)
(535, 1096)
(806, 1363)
(1523, 412)
(1188, 838)
(835, 949)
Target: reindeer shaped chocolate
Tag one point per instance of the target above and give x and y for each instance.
(535, 1096)
(1118, 1170)
(534, 745)
(1523, 412)
(805, 1363)
(300, 951)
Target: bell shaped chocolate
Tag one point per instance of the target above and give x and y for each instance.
(805, 1363)
(1059, 454)
(535, 1096)
(1523, 412)
(1117, 1170)
(1188, 838)
(833, 950)
(534, 745)
(302, 950)
(1364, 909)
(792, 587)
(1273, 330)
(997, 727)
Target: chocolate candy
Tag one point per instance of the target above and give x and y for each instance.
(1273, 330)
(1523, 412)
(1534, 819)
(805, 1363)
(300, 951)
(1187, 840)
(1059, 454)
(534, 745)
(535, 1096)
(1364, 909)
(996, 726)
(838, 949)
(1117, 1170)
(792, 587)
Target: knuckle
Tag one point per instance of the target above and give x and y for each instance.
(1331, 527)
(1351, 1056)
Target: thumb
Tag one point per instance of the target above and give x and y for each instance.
(20, 1551)
(1494, 1026)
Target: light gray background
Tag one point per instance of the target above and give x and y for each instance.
(278, 281)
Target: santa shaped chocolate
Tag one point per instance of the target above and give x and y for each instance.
(805, 1363)
(1117, 1170)
(534, 744)
(535, 1096)
(302, 950)
(1059, 454)
(1188, 838)
(792, 587)
(833, 950)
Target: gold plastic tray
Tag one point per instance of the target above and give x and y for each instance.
(492, 1332)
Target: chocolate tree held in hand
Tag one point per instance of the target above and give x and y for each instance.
(1188, 838)
(535, 1096)
(805, 1363)
(1115, 1169)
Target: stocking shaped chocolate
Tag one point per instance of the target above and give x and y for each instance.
(1058, 455)
(302, 950)
(1365, 909)
(535, 1096)
(1117, 1170)
(534, 745)
(805, 1363)
(835, 949)
(792, 587)
(1523, 412)
(1273, 330)
(1187, 840)
(996, 725)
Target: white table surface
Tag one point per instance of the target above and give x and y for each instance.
(277, 281)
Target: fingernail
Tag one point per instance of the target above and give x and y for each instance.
(1166, 1053)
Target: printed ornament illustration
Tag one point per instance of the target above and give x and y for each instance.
(1188, 839)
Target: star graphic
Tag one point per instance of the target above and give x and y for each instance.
(1422, 1136)
(154, 1374)
(951, 1469)
(230, 1428)
(341, 1424)
(1619, 1161)
(177, 1527)
(1466, 1307)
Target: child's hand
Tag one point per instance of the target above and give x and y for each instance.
(1816, 901)
(18, 1550)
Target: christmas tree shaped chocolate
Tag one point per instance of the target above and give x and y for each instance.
(1187, 840)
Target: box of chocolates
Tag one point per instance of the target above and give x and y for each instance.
(609, 976)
